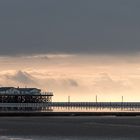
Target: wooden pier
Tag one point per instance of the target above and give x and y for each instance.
(96, 104)
(74, 104)
(71, 109)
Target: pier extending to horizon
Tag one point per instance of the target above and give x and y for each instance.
(74, 104)
(71, 109)
(32, 101)
(96, 104)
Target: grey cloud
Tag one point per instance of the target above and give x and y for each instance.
(22, 78)
(73, 83)
(69, 26)
(60, 83)
(26, 79)
(105, 83)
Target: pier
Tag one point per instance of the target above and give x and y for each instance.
(96, 104)
(70, 109)
(75, 104)
(32, 101)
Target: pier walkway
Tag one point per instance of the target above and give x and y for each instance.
(75, 104)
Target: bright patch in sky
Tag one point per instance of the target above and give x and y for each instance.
(80, 76)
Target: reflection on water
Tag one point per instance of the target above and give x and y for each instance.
(94, 109)
(63, 138)
(14, 138)
(20, 109)
(70, 109)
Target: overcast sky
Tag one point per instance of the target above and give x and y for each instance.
(77, 48)
(69, 26)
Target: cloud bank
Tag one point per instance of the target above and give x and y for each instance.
(69, 27)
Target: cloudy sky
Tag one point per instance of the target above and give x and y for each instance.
(80, 48)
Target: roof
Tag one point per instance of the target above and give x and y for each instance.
(5, 88)
(27, 89)
(20, 89)
(23, 91)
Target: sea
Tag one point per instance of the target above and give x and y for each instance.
(72, 127)
(62, 138)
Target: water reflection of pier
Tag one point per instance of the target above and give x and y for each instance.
(72, 106)
(25, 107)
(97, 104)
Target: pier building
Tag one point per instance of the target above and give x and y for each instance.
(24, 95)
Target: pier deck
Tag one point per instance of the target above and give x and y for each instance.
(48, 109)
(96, 104)
(74, 104)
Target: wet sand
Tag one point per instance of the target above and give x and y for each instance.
(100, 127)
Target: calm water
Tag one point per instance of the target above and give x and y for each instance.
(72, 109)
(70, 128)
(63, 138)
(93, 109)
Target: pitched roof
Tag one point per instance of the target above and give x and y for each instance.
(20, 89)
(5, 88)
(27, 89)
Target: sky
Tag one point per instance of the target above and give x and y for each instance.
(77, 48)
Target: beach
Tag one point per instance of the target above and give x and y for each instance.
(72, 127)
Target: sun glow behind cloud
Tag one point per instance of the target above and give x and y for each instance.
(80, 76)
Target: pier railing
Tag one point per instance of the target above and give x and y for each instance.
(47, 93)
(97, 104)
(74, 104)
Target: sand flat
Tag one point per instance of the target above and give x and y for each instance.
(125, 127)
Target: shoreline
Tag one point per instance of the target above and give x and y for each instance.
(33, 114)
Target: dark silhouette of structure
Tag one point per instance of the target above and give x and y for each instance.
(24, 95)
